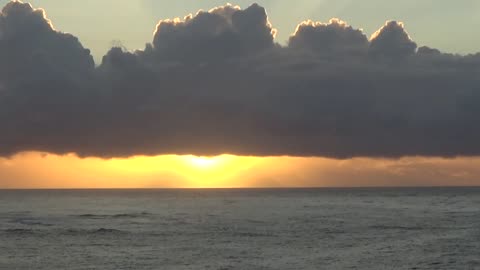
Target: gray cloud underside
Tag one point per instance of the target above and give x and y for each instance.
(217, 82)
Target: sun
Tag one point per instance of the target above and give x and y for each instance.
(188, 171)
(203, 162)
(216, 171)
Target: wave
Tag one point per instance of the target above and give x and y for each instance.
(107, 231)
(122, 215)
(405, 228)
(68, 232)
(30, 222)
(100, 231)
(19, 231)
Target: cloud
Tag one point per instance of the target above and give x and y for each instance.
(216, 82)
(335, 37)
(26, 34)
(220, 33)
(392, 41)
(43, 74)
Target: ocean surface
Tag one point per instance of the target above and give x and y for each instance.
(248, 229)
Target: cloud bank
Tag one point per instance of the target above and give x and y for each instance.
(216, 82)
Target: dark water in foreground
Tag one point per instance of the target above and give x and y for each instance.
(427, 228)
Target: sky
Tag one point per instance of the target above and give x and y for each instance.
(120, 94)
(446, 25)
(35, 170)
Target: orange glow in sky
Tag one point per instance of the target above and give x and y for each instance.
(189, 171)
(40, 170)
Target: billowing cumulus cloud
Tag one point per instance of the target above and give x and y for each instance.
(217, 34)
(44, 75)
(335, 37)
(29, 40)
(392, 41)
(216, 82)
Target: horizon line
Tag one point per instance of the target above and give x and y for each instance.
(241, 188)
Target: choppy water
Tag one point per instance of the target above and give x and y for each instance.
(428, 228)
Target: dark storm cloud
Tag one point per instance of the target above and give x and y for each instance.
(217, 83)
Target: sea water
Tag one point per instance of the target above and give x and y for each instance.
(380, 228)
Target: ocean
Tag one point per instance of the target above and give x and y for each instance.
(247, 229)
